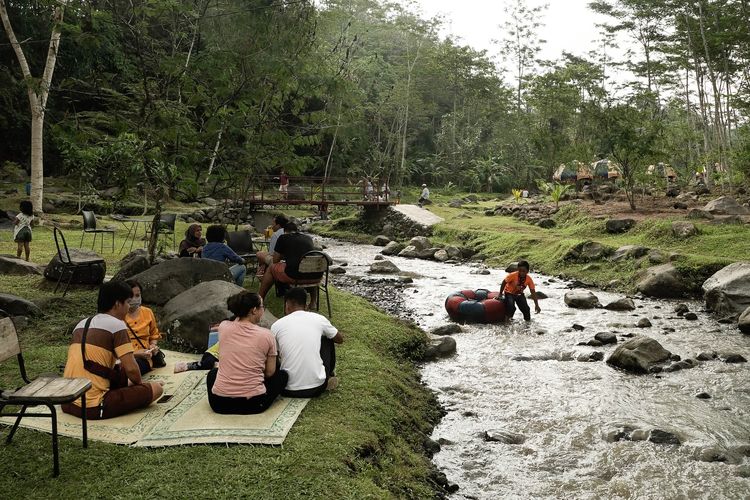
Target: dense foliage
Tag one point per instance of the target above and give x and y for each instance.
(208, 94)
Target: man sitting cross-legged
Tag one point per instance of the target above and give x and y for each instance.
(98, 342)
(306, 347)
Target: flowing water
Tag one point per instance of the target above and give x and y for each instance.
(524, 378)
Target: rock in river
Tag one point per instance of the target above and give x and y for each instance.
(503, 436)
(384, 267)
(623, 304)
(744, 321)
(644, 323)
(392, 248)
(663, 281)
(659, 436)
(638, 355)
(727, 292)
(448, 329)
(606, 337)
(439, 347)
(581, 299)
(381, 240)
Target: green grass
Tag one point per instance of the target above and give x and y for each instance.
(362, 441)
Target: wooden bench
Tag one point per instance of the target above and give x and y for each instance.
(43, 391)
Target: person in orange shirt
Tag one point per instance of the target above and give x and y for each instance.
(142, 331)
(512, 292)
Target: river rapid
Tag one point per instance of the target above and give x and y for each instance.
(524, 378)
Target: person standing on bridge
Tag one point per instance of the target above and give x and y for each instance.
(425, 196)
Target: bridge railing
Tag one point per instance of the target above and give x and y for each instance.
(318, 190)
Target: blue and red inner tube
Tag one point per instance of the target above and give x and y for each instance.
(475, 306)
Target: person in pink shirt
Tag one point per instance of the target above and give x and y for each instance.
(246, 381)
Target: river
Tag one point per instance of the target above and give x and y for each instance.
(518, 378)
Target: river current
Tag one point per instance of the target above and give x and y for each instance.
(524, 378)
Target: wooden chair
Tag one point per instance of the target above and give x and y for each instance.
(315, 261)
(69, 265)
(43, 391)
(89, 226)
(166, 226)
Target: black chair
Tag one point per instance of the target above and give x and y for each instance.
(166, 226)
(42, 391)
(89, 226)
(242, 244)
(69, 266)
(315, 261)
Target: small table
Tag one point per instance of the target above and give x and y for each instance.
(131, 224)
(261, 242)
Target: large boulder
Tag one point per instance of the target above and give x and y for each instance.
(161, 283)
(439, 347)
(638, 355)
(18, 306)
(133, 266)
(420, 243)
(744, 321)
(410, 252)
(581, 299)
(682, 229)
(663, 281)
(88, 275)
(629, 252)
(441, 255)
(588, 251)
(12, 265)
(392, 248)
(453, 252)
(615, 226)
(384, 267)
(623, 304)
(727, 292)
(187, 317)
(381, 240)
(726, 205)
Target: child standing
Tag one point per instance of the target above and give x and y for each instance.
(22, 231)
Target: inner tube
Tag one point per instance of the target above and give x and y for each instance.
(475, 306)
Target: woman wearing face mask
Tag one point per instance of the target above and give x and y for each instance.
(143, 331)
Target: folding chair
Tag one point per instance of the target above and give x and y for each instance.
(242, 244)
(43, 391)
(314, 262)
(68, 264)
(89, 226)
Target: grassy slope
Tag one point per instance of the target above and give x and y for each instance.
(502, 240)
(362, 441)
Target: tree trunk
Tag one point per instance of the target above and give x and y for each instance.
(37, 154)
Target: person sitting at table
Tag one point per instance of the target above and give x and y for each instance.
(265, 258)
(143, 331)
(192, 245)
(216, 249)
(246, 380)
(290, 248)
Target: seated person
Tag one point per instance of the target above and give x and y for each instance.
(192, 245)
(306, 347)
(246, 381)
(290, 248)
(143, 331)
(209, 360)
(512, 292)
(265, 259)
(216, 249)
(98, 343)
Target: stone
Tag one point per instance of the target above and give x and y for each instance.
(656, 257)
(384, 267)
(337, 270)
(744, 321)
(727, 292)
(503, 436)
(681, 309)
(512, 267)
(639, 435)
(163, 282)
(455, 204)
(187, 316)
(606, 337)
(725, 205)
(448, 329)
(659, 436)
(730, 219)
(427, 253)
(697, 213)
(480, 271)
(378, 257)
(90, 275)
(546, 223)
(381, 240)
(581, 299)
(588, 251)
(392, 248)
(134, 266)
(439, 347)
(629, 252)
(12, 265)
(643, 323)
(441, 255)
(680, 205)
(18, 306)
(420, 243)
(703, 395)
(578, 328)
(410, 252)
(453, 252)
(683, 230)
(615, 226)
(663, 281)
(623, 304)
(690, 316)
(638, 354)
(733, 358)
(706, 356)
(431, 446)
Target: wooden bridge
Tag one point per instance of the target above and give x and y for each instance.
(320, 192)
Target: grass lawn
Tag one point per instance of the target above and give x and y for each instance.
(362, 441)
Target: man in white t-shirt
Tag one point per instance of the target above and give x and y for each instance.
(306, 349)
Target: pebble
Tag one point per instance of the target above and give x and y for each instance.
(578, 327)
(691, 316)
(644, 323)
(703, 395)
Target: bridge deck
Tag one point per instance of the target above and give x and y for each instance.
(320, 192)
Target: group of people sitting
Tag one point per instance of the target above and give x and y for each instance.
(249, 367)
